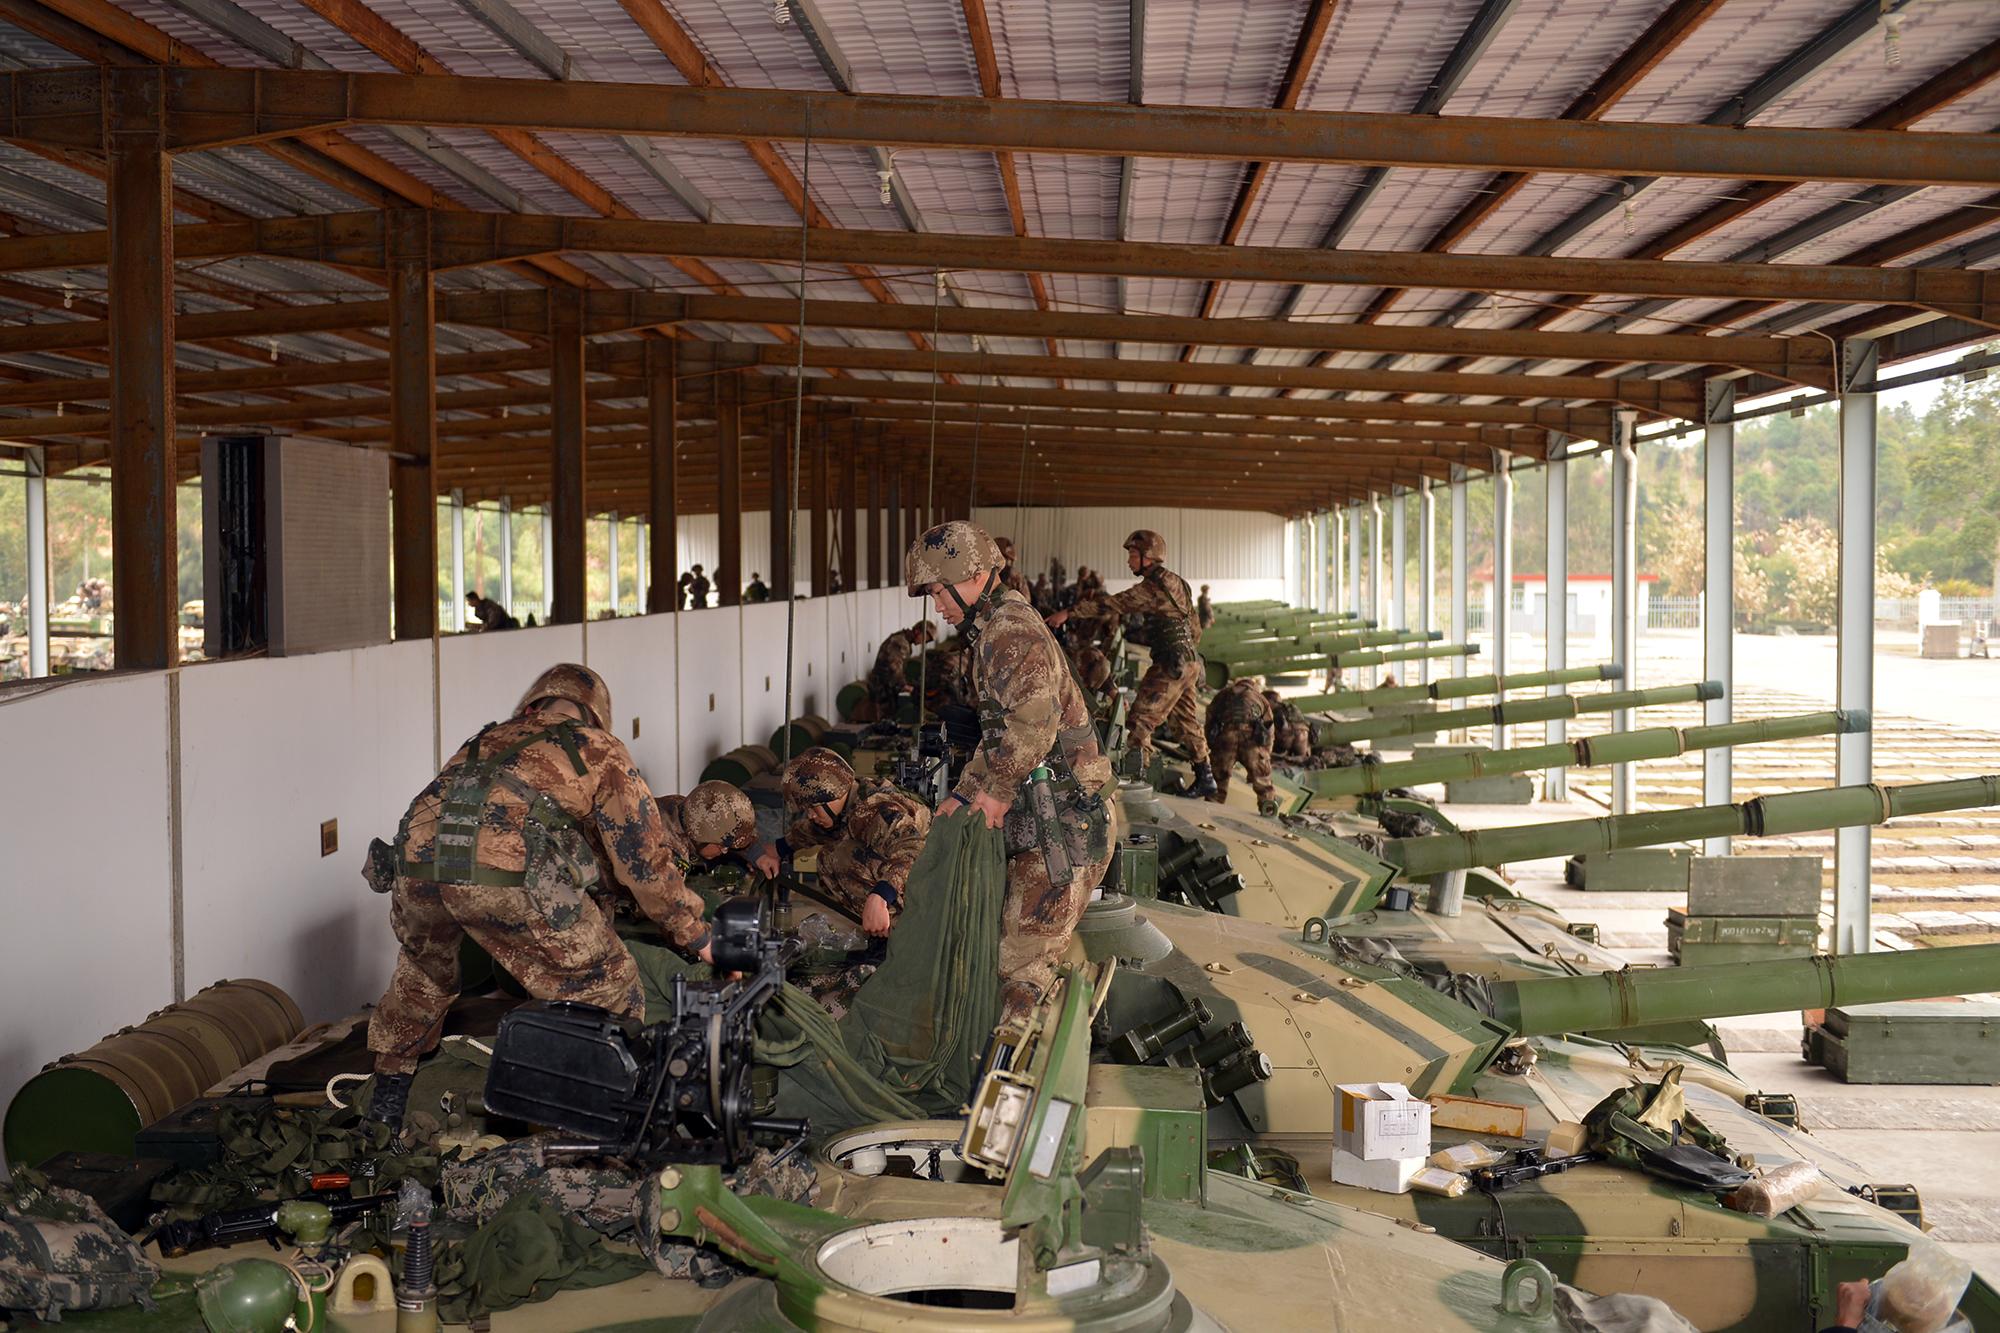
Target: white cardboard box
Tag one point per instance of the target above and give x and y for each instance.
(1381, 1120)
(1391, 1175)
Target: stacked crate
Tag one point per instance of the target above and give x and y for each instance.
(1747, 910)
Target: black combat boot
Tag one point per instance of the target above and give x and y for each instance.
(1204, 782)
(390, 1100)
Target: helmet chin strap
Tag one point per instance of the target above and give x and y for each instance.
(969, 626)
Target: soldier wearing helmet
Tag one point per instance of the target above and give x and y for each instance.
(1031, 714)
(1010, 574)
(1292, 734)
(1239, 729)
(869, 840)
(1168, 626)
(511, 844)
(1204, 610)
(889, 681)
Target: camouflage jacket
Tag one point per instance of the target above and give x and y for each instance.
(875, 841)
(608, 803)
(893, 657)
(1204, 611)
(1240, 704)
(1027, 698)
(1289, 718)
(1166, 609)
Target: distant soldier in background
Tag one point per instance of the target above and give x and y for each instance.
(1011, 577)
(490, 613)
(869, 837)
(1167, 626)
(1239, 730)
(508, 845)
(758, 590)
(698, 589)
(1291, 741)
(1204, 610)
(1057, 575)
(889, 681)
(684, 587)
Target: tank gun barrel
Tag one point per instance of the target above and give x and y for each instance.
(1376, 657)
(1608, 1001)
(1254, 649)
(1617, 747)
(1281, 661)
(1455, 687)
(1515, 712)
(1766, 816)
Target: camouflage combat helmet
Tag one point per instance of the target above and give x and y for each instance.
(1094, 668)
(578, 684)
(924, 631)
(716, 812)
(817, 777)
(1149, 544)
(950, 553)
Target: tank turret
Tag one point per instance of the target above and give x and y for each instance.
(1616, 747)
(1454, 687)
(1510, 714)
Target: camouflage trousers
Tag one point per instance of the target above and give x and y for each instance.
(559, 945)
(1233, 745)
(1037, 919)
(886, 692)
(1162, 696)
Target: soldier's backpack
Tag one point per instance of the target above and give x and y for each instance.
(58, 1251)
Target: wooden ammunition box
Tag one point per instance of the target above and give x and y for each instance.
(1911, 1041)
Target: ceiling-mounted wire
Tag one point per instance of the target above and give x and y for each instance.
(798, 430)
(930, 482)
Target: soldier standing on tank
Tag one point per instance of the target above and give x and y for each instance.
(869, 838)
(1239, 729)
(1032, 717)
(698, 589)
(1292, 734)
(889, 680)
(1168, 627)
(1204, 610)
(507, 845)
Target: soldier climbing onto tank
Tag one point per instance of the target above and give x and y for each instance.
(870, 837)
(1204, 610)
(1034, 728)
(1168, 627)
(1239, 729)
(889, 680)
(1292, 735)
(507, 845)
(757, 590)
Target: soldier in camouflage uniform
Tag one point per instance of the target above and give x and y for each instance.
(1204, 610)
(1239, 729)
(1011, 577)
(889, 681)
(1093, 670)
(1292, 734)
(869, 839)
(506, 845)
(1170, 688)
(1032, 718)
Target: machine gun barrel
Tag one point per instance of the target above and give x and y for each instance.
(1608, 1001)
(1517, 711)
(1617, 747)
(1767, 816)
(1455, 687)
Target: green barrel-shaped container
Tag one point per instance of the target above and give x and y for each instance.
(740, 765)
(848, 701)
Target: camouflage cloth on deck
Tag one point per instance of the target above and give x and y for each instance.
(605, 1198)
(58, 1251)
(1239, 730)
(565, 808)
(874, 840)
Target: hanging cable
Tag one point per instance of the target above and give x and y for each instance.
(1020, 509)
(978, 416)
(930, 487)
(798, 431)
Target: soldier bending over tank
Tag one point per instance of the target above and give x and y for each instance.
(870, 839)
(1239, 729)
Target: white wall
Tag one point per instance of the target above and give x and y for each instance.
(270, 747)
(1239, 554)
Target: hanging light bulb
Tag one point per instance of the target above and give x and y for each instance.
(781, 13)
(1892, 40)
(978, 343)
(69, 295)
(941, 288)
(274, 351)
(885, 176)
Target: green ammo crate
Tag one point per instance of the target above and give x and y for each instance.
(1911, 1041)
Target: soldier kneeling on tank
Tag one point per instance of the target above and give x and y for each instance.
(508, 845)
(1239, 730)
(869, 838)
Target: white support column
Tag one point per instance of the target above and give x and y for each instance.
(1624, 588)
(458, 560)
(548, 560)
(37, 488)
(1354, 592)
(1399, 582)
(1854, 638)
(1329, 560)
(1461, 592)
(1503, 572)
(1336, 550)
(1555, 784)
(506, 598)
(1427, 536)
(642, 567)
(611, 546)
(1377, 609)
(1718, 602)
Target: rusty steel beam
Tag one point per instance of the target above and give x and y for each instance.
(569, 600)
(139, 195)
(663, 458)
(1532, 443)
(208, 108)
(413, 429)
(1664, 397)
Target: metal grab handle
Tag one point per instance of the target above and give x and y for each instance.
(1520, 1273)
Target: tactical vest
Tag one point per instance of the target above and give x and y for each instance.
(1080, 833)
(1169, 634)
(547, 831)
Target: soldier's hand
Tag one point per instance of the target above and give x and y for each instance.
(1056, 620)
(875, 918)
(707, 954)
(767, 863)
(994, 810)
(1850, 1304)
